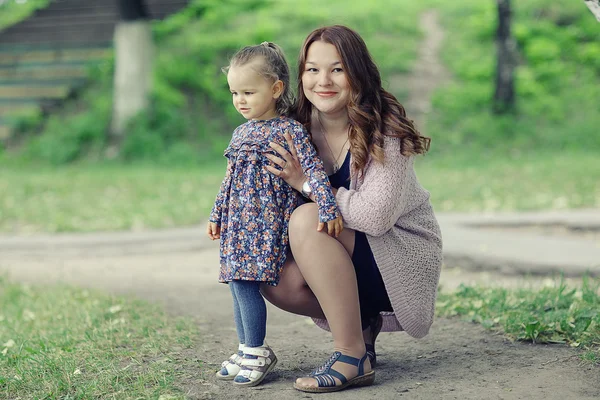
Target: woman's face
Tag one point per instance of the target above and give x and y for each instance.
(324, 80)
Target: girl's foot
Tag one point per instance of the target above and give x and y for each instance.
(339, 372)
(256, 364)
(230, 368)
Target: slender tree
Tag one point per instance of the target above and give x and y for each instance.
(133, 65)
(504, 95)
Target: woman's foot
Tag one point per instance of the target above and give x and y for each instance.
(231, 367)
(255, 365)
(339, 372)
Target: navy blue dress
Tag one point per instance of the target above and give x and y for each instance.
(371, 291)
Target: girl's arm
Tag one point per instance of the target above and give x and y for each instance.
(215, 214)
(388, 191)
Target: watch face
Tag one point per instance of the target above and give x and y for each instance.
(306, 190)
(306, 187)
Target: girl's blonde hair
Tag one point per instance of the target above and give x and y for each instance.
(274, 67)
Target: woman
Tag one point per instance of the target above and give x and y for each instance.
(386, 262)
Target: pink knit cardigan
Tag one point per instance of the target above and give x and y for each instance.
(389, 205)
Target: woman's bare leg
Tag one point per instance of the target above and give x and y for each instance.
(292, 294)
(326, 265)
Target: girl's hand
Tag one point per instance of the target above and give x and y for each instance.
(289, 167)
(213, 230)
(334, 227)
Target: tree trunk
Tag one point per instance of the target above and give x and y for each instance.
(133, 66)
(504, 95)
(131, 10)
(594, 6)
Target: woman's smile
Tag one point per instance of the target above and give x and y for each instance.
(326, 94)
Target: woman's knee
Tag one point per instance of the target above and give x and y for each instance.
(304, 220)
(291, 282)
(303, 223)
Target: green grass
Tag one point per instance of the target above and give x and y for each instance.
(65, 343)
(96, 197)
(553, 314)
(557, 79)
(105, 197)
(518, 181)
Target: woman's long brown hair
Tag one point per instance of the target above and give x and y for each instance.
(373, 112)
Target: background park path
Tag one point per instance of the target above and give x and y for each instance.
(457, 360)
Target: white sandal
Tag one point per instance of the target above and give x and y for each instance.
(231, 367)
(254, 370)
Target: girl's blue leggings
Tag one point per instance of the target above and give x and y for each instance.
(249, 312)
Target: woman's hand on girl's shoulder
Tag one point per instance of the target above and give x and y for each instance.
(289, 168)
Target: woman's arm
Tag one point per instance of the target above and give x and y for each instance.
(387, 192)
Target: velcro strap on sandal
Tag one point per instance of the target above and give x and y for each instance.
(234, 358)
(251, 374)
(257, 351)
(252, 362)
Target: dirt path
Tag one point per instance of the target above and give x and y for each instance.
(457, 360)
(178, 268)
(428, 72)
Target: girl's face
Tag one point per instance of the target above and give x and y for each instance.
(253, 95)
(324, 80)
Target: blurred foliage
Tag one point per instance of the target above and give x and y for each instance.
(557, 79)
(190, 118)
(13, 11)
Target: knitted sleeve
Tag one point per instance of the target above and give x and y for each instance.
(384, 195)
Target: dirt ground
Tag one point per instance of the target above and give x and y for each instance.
(457, 360)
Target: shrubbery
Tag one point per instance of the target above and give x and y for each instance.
(190, 117)
(557, 80)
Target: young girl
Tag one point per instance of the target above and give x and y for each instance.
(253, 207)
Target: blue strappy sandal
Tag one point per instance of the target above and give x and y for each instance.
(325, 375)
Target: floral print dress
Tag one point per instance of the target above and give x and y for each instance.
(253, 206)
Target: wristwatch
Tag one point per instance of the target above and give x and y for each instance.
(306, 190)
